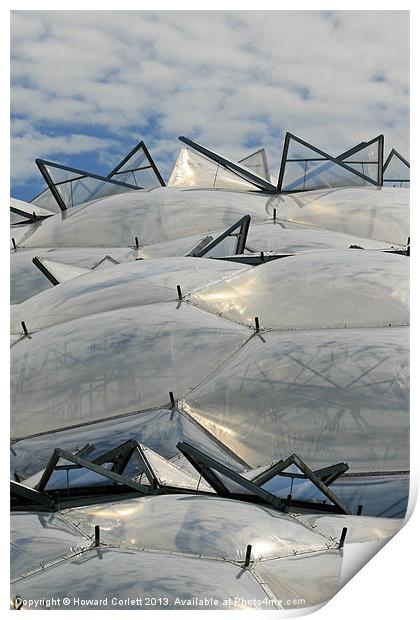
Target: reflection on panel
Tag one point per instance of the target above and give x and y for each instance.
(27, 280)
(130, 284)
(156, 216)
(124, 575)
(332, 288)
(38, 539)
(194, 170)
(285, 237)
(370, 213)
(200, 525)
(116, 362)
(306, 580)
(329, 395)
(160, 429)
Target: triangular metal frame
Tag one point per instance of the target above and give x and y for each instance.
(395, 153)
(204, 464)
(42, 165)
(335, 160)
(319, 478)
(140, 146)
(264, 160)
(244, 174)
(243, 225)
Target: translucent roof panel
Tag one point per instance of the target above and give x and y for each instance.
(369, 213)
(285, 237)
(129, 284)
(138, 168)
(239, 170)
(330, 288)
(27, 280)
(37, 539)
(28, 210)
(330, 396)
(151, 576)
(199, 525)
(313, 577)
(169, 474)
(305, 167)
(46, 200)
(194, 170)
(160, 429)
(396, 170)
(117, 362)
(367, 160)
(160, 215)
(72, 187)
(380, 496)
(360, 529)
(257, 163)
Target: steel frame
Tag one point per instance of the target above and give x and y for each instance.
(42, 164)
(395, 153)
(140, 146)
(259, 182)
(243, 225)
(329, 158)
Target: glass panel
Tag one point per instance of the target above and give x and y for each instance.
(366, 161)
(330, 396)
(37, 539)
(396, 171)
(257, 163)
(117, 362)
(169, 475)
(81, 477)
(78, 187)
(207, 526)
(306, 169)
(29, 209)
(231, 485)
(46, 200)
(129, 284)
(194, 170)
(380, 496)
(159, 429)
(121, 575)
(334, 288)
(137, 170)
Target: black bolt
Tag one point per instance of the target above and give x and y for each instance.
(171, 396)
(343, 538)
(248, 555)
(257, 324)
(97, 535)
(178, 288)
(25, 330)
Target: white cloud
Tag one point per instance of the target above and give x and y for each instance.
(224, 78)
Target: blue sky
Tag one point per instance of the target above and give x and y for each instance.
(88, 85)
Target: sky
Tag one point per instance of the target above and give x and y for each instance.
(86, 86)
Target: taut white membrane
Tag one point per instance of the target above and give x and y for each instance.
(131, 284)
(27, 280)
(153, 216)
(378, 213)
(329, 288)
(329, 395)
(117, 362)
